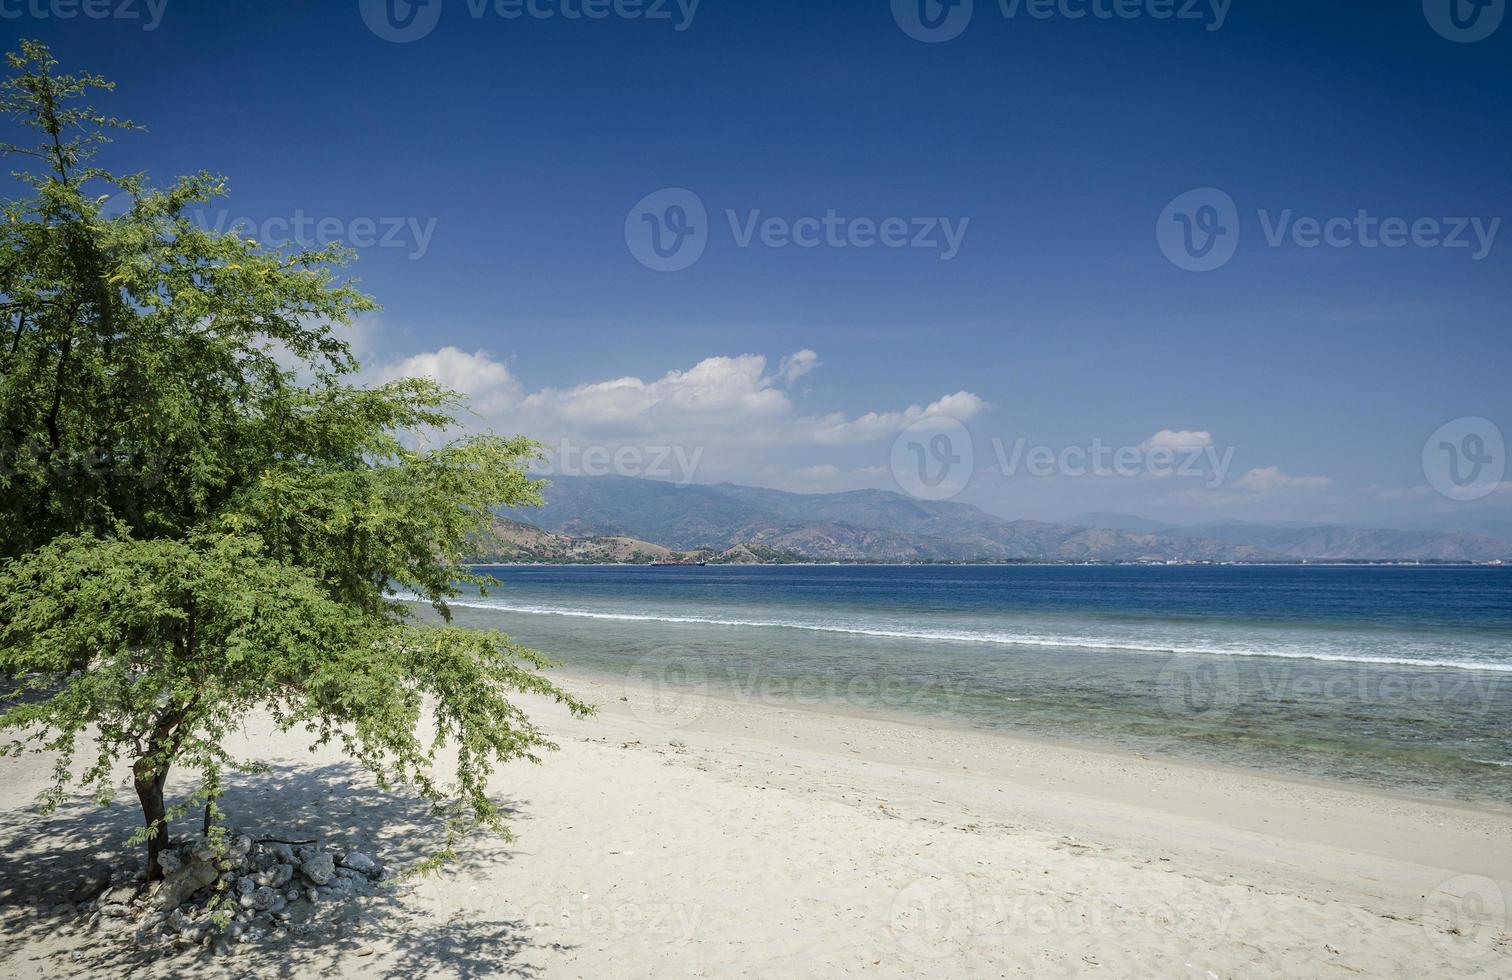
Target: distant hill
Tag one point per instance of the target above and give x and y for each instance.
(1121, 522)
(516, 542)
(863, 525)
(877, 525)
(1328, 543)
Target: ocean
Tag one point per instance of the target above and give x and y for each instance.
(1398, 677)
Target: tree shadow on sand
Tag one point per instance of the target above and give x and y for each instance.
(48, 862)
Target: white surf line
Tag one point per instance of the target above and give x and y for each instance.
(999, 639)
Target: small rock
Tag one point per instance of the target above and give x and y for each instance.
(275, 876)
(170, 861)
(263, 898)
(319, 868)
(119, 895)
(115, 910)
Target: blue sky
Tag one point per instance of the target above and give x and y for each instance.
(518, 147)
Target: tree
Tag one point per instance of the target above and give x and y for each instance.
(202, 514)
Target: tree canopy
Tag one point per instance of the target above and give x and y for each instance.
(204, 514)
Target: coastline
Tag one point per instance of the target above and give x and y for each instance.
(651, 701)
(750, 839)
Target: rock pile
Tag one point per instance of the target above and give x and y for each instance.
(266, 888)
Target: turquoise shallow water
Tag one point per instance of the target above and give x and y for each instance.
(1397, 677)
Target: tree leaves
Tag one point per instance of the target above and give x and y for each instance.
(201, 518)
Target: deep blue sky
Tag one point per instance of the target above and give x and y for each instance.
(528, 141)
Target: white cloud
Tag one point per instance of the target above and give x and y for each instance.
(1185, 440)
(715, 388)
(486, 382)
(962, 406)
(795, 366)
(739, 417)
(1270, 479)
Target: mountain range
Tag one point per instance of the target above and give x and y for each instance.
(623, 519)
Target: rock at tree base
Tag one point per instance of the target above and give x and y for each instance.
(257, 891)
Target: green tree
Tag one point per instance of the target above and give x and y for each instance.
(202, 516)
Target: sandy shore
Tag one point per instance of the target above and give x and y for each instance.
(696, 837)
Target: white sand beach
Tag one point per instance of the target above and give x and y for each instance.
(735, 839)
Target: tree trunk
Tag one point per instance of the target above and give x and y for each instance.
(150, 792)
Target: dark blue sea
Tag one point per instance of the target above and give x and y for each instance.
(1399, 677)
